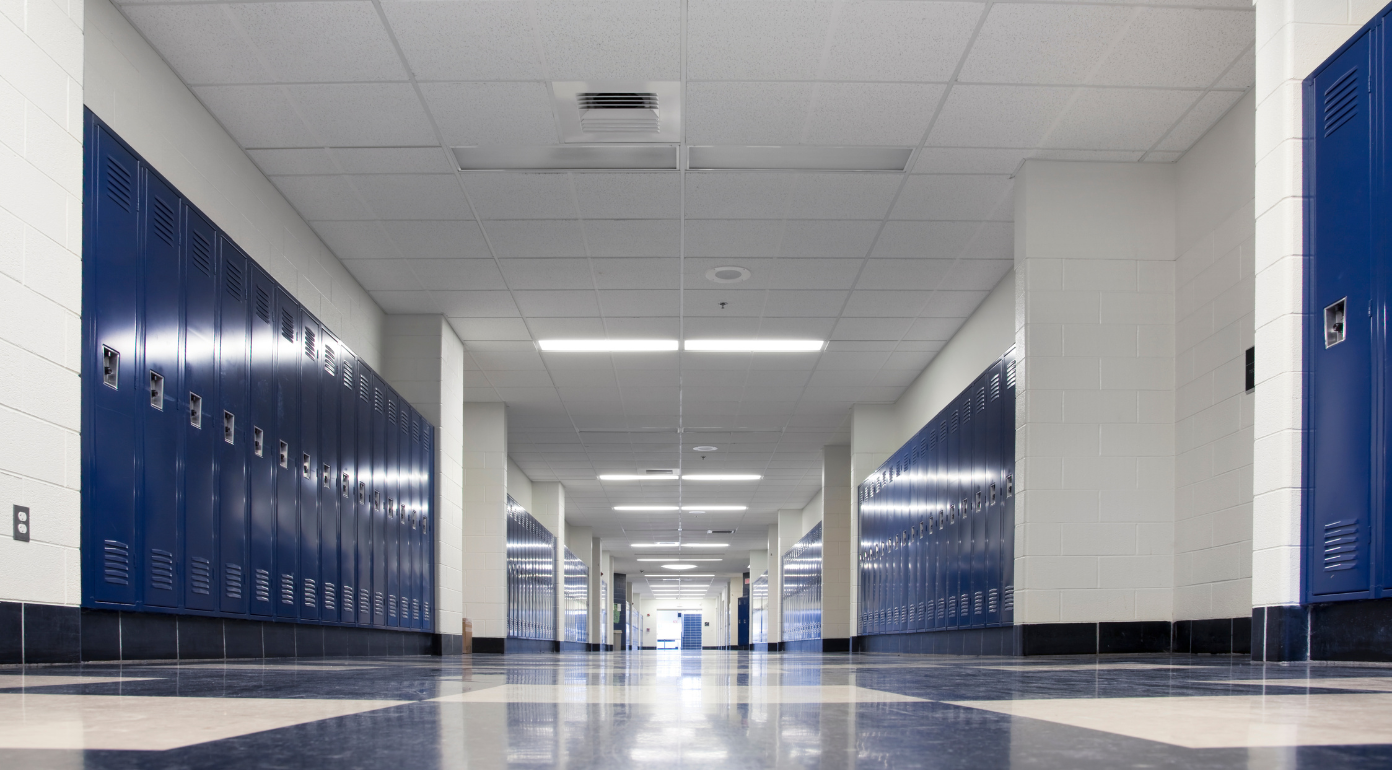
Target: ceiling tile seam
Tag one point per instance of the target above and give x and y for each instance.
(1210, 89)
(539, 50)
(1077, 91)
(681, 261)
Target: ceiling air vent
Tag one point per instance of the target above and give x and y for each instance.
(720, 532)
(592, 111)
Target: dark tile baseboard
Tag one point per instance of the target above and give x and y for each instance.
(1224, 635)
(1351, 631)
(817, 645)
(45, 633)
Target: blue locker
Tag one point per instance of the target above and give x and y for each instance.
(392, 469)
(1342, 333)
(427, 523)
(262, 445)
(111, 267)
(417, 477)
(287, 454)
(1007, 547)
(308, 463)
(951, 532)
(380, 551)
(162, 419)
(938, 510)
(330, 482)
(982, 443)
(203, 426)
(994, 462)
(365, 510)
(232, 440)
(348, 481)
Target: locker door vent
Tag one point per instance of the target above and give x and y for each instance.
(161, 570)
(263, 585)
(362, 606)
(965, 605)
(163, 218)
(980, 399)
(415, 430)
(1341, 102)
(952, 607)
(391, 605)
(391, 412)
(1010, 374)
(995, 387)
(425, 610)
(311, 598)
(377, 399)
(1340, 545)
(287, 588)
(977, 603)
(200, 576)
(263, 304)
(330, 600)
(118, 183)
(966, 410)
(202, 253)
(942, 608)
(378, 605)
(348, 373)
(309, 342)
(287, 325)
(415, 609)
(236, 280)
(425, 439)
(955, 416)
(232, 580)
(1008, 604)
(362, 387)
(330, 361)
(348, 598)
(993, 601)
(116, 562)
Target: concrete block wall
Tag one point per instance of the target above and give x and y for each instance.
(1094, 268)
(1293, 37)
(483, 544)
(41, 82)
(1213, 412)
(839, 547)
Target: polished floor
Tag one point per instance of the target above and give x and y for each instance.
(662, 710)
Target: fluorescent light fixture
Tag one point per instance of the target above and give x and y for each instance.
(755, 346)
(670, 558)
(705, 545)
(802, 158)
(654, 545)
(684, 508)
(636, 477)
(645, 507)
(568, 158)
(679, 566)
(605, 346)
(721, 477)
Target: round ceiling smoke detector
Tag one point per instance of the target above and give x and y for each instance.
(703, 449)
(727, 274)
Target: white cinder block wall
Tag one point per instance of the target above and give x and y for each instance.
(839, 560)
(1213, 411)
(41, 76)
(1293, 37)
(483, 545)
(1094, 267)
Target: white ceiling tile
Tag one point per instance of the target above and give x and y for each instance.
(1088, 156)
(748, 302)
(628, 196)
(1118, 118)
(912, 362)
(968, 160)
(896, 378)
(320, 41)
(871, 113)
(457, 274)
(812, 273)
(737, 195)
(490, 360)
(476, 304)
(796, 328)
(521, 196)
(885, 304)
(554, 273)
(746, 113)
(804, 304)
(842, 196)
(998, 116)
(412, 196)
(466, 41)
(410, 302)
(951, 196)
(899, 41)
(542, 304)
(470, 329)
(623, 40)
(880, 395)
(730, 40)
(1145, 55)
(392, 160)
(716, 326)
(199, 43)
(383, 274)
(1242, 73)
(638, 302)
(977, 274)
(1057, 44)
(492, 113)
(536, 238)
(424, 239)
(995, 240)
(636, 272)
(1209, 109)
(861, 361)
(953, 304)
(322, 197)
(919, 240)
(311, 160)
(633, 238)
(363, 114)
(870, 329)
(917, 274)
(827, 238)
(1161, 156)
(734, 238)
(520, 378)
(662, 328)
(356, 240)
(257, 116)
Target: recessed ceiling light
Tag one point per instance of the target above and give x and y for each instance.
(728, 274)
(605, 346)
(721, 477)
(679, 566)
(755, 346)
(704, 449)
(635, 477)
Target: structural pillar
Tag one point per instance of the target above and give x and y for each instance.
(839, 548)
(484, 524)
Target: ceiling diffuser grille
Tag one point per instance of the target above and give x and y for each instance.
(618, 112)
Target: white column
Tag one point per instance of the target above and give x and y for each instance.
(595, 631)
(775, 583)
(425, 363)
(484, 520)
(839, 548)
(548, 507)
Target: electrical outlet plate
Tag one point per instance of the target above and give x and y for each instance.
(23, 523)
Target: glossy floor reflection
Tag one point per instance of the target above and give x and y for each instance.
(712, 709)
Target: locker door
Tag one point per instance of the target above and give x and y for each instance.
(262, 454)
(286, 448)
(937, 508)
(993, 462)
(362, 500)
(1340, 359)
(203, 426)
(393, 512)
(1007, 546)
(308, 464)
(330, 482)
(921, 502)
(380, 552)
(234, 438)
(348, 485)
(950, 495)
(980, 436)
(163, 420)
(428, 523)
(417, 507)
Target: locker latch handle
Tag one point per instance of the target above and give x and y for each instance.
(993, 494)
(978, 500)
(156, 390)
(195, 410)
(258, 441)
(111, 367)
(327, 476)
(362, 491)
(344, 484)
(284, 458)
(229, 427)
(1334, 326)
(1010, 485)
(304, 465)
